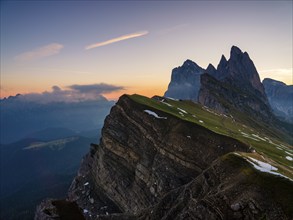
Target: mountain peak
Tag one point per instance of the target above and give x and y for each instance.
(189, 63)
(235, 51)
(211, 69)
(223, 59)
(222, 63)
(185, 81)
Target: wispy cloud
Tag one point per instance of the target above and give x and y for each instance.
(98, 89)
(172, 29)
(44, 51)
(117, 39)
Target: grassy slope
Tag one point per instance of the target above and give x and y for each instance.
(271, 145)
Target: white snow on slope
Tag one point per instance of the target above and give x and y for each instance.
(154, 114)
(167, 104)
(255, 135)
(172, 99)
(289, 158)
(261, 166)
(264, 167)
(180, 109)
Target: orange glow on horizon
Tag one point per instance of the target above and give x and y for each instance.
(148, 91)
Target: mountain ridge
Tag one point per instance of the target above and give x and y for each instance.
(167, 145)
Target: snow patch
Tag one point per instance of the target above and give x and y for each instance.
(248, 136)
(264, 167)
(181, 113)
(86, 183)
(201, 121)
(167, 104)
(188, 137)
(289, 153)
(255, 135)
(154, 114)
(289, 158)
(172, 99)
(85, 211)
(180, 109)
(261, 166)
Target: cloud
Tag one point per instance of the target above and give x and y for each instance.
(101, 88)
(44, 51)
(74, 93)
(117, 39)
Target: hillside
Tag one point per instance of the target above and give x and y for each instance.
(163, 158)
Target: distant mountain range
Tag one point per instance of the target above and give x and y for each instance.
(235, 81)
(41, 147)
(20, 117)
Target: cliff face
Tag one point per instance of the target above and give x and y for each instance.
(140, 158)
(280, 97)
(224, 191)
(226, 97)
(235, 85)
(185, 81)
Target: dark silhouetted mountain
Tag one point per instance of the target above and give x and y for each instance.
(20, 117)
(280, 98)
(185, 81)
(235, 86)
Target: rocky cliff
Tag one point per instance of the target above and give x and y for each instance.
(185, 81)
(141, 158)
(235, 86)
(280, 97)
(156, 160)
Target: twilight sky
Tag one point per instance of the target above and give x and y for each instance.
(135, 44)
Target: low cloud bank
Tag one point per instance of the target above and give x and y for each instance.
(73, 93)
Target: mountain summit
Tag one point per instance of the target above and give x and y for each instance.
(235, 86)
(185, 81)
(240, 69)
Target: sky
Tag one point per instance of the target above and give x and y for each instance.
(132, 46)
